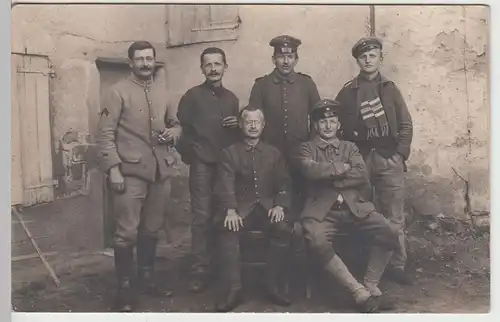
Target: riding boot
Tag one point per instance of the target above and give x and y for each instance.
(146, 254)
(125, 296)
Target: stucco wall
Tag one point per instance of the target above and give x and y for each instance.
(327, 34)
(73, 36)
(425, 53)
(438, 58)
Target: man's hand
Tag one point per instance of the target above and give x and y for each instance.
(230, 122)
(166, 136)
(276, 214)
(233, 221)
(116, 179)
(347, 167)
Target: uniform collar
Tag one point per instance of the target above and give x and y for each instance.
(383, 80)
(323, 144)
(277, 78)
(141, 82)
(249, 147)
(209, 86)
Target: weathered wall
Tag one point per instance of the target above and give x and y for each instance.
(73, 36)
(438, 57)
(327, 34)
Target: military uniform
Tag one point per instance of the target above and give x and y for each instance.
(133, 114)
(335, 197)
(286, 103)
(391, 134)
(252, 180)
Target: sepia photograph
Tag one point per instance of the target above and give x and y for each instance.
(302, 158)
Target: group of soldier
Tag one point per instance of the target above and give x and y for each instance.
(287, 157)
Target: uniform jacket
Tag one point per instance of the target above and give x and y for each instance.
(133, 112)
(323, 166)
(398, 116)
(286, 104)
(201, 111)
(248, 176)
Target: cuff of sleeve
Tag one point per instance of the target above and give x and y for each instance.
(405, 153)
(111, 162)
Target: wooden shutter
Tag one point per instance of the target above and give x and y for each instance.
(190, 24)
(31, 150)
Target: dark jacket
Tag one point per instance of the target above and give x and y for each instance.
(131, 112)
(323, 166)
(286, 104)
(200, 112)
(398, 116)
(248, 176)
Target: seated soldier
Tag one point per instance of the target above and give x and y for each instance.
(337, 178)
(252, 187)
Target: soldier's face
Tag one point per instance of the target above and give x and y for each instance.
(369, 61)
(285, 63)
(143, 63)
(327, 127)
(213, 67)
(252, 124)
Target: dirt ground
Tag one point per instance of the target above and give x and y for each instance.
(450, 268)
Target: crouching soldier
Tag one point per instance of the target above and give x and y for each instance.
(337, 178)
(252, 187)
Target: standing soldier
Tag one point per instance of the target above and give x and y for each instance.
(286, 97)
(375, 117)
(208, 115)
(136, 152)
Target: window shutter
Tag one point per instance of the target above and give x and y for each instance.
(191, 24)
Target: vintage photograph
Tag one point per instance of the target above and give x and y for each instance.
(250, 158)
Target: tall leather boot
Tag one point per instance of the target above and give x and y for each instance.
(146, 254)
(364, 300)
(276, 257)
(230, 295)
(124, 263)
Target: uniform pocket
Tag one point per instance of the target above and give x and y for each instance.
(130, 157)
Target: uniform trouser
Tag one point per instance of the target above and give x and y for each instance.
(201, 184)
(139, 210)
(279, 234)
(320, 235)
(387, 180)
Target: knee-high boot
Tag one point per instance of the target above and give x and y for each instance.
(146, 255)
(124, 263)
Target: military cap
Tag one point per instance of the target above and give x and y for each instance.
(325, 108)
(285, 44)
(365, 44)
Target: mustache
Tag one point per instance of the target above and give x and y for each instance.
(213, 74)
(145, 68)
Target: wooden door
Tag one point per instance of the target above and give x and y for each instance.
(31, 152)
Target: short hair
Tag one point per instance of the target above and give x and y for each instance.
(140, 45)
(213, 50)
(250, 108)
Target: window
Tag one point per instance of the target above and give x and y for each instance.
(192, 24)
